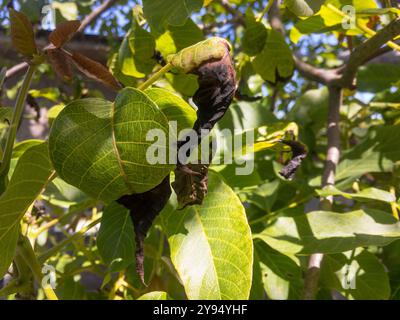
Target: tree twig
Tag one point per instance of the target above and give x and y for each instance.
(95, 14)
(328, 178)
(367, 49)
(85, 23)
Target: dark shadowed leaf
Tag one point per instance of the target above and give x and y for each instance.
(63, 32)
(22, 34)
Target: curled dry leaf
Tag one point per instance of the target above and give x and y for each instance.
(95, 70)
(191, 184)
(217, 84)
(210, 60)
(63, 32)
(61, 63)
(22, 35)
(299, 152)
(144, 208)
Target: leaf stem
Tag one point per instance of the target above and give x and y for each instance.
(16, 118)
(266, 9)
(155, 77)
(26, 251)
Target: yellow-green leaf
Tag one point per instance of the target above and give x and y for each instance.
(211, 245)
(32, 173)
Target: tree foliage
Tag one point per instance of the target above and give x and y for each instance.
(316, 87)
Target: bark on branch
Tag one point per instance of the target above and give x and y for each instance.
(366, 50)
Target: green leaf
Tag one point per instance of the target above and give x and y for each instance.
(177, 38)
(101, 148)
(116, 237)
(174, 107)
(365, 194)
(304, 8)
(155, 295)
(53, 113)
(254, 37)
(314, 24)
(32, 173)
(281, 274)
(185, 84)
(211, 246)
(136, 53)
(311, 108)
(375, 154)
(160, 13)
(275, 61)
(330, 232)
(5, 119)
(377, 77)
(22, 35)
(257, 288)
(356, 275)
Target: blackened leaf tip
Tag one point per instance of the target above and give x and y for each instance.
(144, 208)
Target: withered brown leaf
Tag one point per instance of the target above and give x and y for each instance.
(217, 85)
(299, 152)
(61, 63)
(63, 32)
(95, 70)
(144, 208)
(191, 184)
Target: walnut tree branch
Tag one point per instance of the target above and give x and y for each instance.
(85, 23)
(89, 19)
(364, 51)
